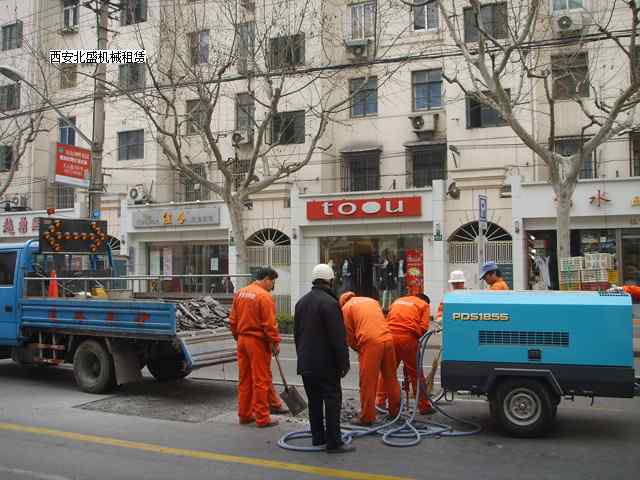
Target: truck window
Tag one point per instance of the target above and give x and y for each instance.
(7, 267)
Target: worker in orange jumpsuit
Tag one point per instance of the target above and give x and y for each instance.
(491, 274)
(408, 320)
(456, 282)
(253, 324)
(634, 291)
(369, 335)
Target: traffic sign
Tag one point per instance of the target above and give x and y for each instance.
(482, 208)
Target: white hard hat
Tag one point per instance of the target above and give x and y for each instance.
(322, 271)
(457, 276)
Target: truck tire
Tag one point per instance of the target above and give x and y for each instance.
(93, 367)
(167, 368)
(523, 407)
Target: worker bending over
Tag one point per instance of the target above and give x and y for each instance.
(456, 282)
(490, 274)
(369, 335)
(253, 324)
(633, 290)
(408, 320)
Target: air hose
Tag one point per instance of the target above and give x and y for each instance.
(403, 430)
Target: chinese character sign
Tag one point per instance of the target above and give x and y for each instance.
(73, 165)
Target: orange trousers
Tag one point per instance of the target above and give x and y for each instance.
(406, 347)
(378, 359)
(255, 385)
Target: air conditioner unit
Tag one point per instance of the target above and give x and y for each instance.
(242, 137)
(424, 123)
(359, 49)
(139, 194)
(19, 201)
(568, 23)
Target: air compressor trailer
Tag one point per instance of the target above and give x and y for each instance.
(527, 350)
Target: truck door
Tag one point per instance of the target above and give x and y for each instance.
(8, 300)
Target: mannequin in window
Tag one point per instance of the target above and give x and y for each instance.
(387, 283)
(346, 272)
(401, 277)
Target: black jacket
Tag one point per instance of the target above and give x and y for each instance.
(320, 336)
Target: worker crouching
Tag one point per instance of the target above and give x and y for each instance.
(369, 335)
(253, 324)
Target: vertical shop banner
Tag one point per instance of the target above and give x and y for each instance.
(72, 165)
(415, 272)
(167, 261)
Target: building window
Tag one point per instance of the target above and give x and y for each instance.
(480, 115)
(426, 163)
(363, 20)
(239, 170)
(427, 89)
(570, 76)
(559, 5)
(133, 11)
(6, 157)
(64, 196)
(196, 117)
(193, 190)
(361, 171)
(569, 146)
(9, 97)
(70, 14)
(365, 101)
(425, 17)
(199, 47)
(67, 134)
(131, 145)
(635, 154)
(245, 112)
(68, 75)
(246, 46)
(287, 51)
(132, 76)
(494, 19)
(288, 127)
(12, 36)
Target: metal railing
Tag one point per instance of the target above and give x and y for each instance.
(467, 252)
(277, 256)
(283, 304)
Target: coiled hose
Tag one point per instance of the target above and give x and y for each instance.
(401, 431)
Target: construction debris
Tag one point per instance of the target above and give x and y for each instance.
(201, 314)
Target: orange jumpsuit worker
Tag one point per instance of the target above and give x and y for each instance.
(633, 290)
(408, 320)
(456, 281)
(369, 335)
(491, 274)
(253, 324)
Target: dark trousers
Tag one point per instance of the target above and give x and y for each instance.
(325, 401)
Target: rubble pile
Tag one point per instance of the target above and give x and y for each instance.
(200, 314)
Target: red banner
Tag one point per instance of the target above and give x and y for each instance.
(73, 165)
(415, 272)
(364, 208)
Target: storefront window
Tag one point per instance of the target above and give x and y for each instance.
(631, 256)
(190, 259)
(593, 241)
(383, 268)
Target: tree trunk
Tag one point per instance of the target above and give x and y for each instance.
(236, 215)
(564, 194)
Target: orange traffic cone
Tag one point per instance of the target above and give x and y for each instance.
(53, 285)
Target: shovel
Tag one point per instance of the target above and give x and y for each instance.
(290, 396)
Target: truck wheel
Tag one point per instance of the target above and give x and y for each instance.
(93, 367)
(167, 368)
(523, 407)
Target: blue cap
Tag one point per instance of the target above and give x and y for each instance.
(488, 267)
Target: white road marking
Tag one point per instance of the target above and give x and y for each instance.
(30, 474)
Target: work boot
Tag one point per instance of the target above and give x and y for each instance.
(344, 448)
(428, 411)
(272, 423)
(279, 410)
(246, 421)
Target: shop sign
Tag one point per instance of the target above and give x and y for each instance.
(73, 165)
(364, 208)
(20, 224)
(635, 202)
(415, 272)
(599, 198)
(176, 216)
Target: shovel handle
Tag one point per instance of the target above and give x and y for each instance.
(284, 381)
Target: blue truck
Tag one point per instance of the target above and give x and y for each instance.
(527, 350)
(107, 341)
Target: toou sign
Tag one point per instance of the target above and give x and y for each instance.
(364, 208)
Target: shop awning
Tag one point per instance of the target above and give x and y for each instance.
(360, 148)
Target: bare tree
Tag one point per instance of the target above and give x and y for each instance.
(510, 57)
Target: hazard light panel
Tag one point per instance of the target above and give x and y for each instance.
(71, 235)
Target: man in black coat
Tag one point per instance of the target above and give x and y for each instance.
(323, 358)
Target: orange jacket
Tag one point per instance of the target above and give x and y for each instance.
(364, 322)
(499, 285)
(409, 315)
(439, 313)
(254, 313)
(634, 291)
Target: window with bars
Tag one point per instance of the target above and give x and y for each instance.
(427, 89)
(199, 47)
(286, 51)
(634, 168)
(133, 11)
(425, 17)
(68, 75)
(64, 196)
(9, 97)
(570, 146)
(480, 115)
(12, 36)
(288, 127)
(239, 170)
(67, 135)
(361, 171)
(6, 157)
(494, 20)
(426, 163)
(570, 76)
(196, 117)
(363, 20)
(70, 14)
(245, 112)
(560, 5)
(365, 101)
(132, 76)
(193, 190)
(246, 46)
(131, 145)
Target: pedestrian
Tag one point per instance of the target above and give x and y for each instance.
(492, 276)
(253, 324)
(408, 320)
(323, 358)
(369, 335)
(456, 282)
